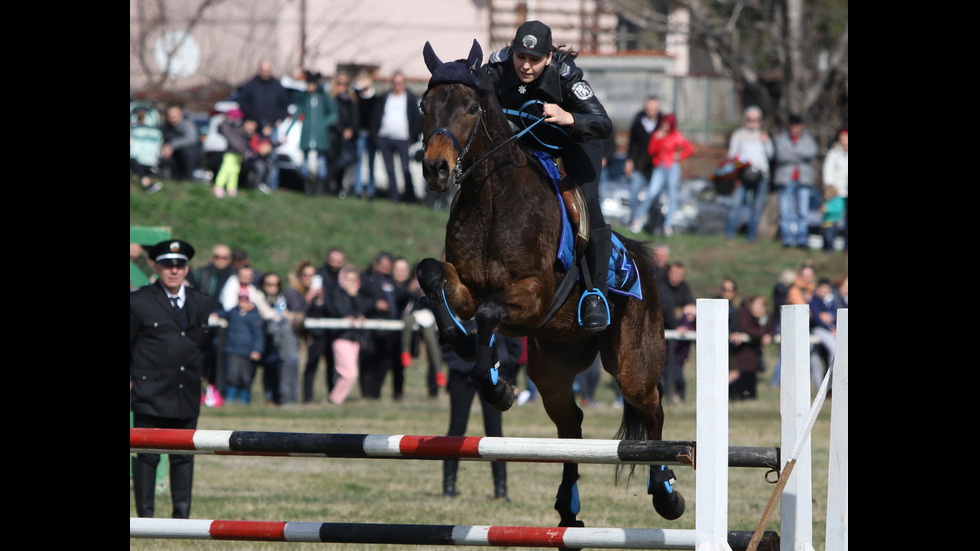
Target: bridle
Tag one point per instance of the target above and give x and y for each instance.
(458, 173)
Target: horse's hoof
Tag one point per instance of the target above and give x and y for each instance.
(670, 506)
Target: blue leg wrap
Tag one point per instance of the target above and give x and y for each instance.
(660, 475)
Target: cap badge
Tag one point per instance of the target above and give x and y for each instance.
(174, 247)
(529, 41)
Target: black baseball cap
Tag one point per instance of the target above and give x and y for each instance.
(534, 38)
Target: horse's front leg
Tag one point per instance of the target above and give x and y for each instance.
(442, 287)
(496, 390)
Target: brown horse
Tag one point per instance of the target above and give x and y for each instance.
(500, 268)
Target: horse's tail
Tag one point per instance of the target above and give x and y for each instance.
(630, 428)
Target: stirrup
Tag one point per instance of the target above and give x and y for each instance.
(594, 292)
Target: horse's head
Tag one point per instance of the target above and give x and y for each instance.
(452, 111)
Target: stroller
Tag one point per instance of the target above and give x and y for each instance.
(145, 142)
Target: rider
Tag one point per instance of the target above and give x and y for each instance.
(574, 127)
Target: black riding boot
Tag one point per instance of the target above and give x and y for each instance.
(499, 480)
(181, 485)
(449, 477)
(144, 486)
(594, 312)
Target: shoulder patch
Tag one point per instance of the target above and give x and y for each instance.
(582, 91)
(498, 56)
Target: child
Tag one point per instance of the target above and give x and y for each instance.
(244, 344)
(833, 210)
(260, 158)
(233, 130)
(345, 302)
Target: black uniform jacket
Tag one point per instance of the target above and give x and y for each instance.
(165, 362)
(562, 83)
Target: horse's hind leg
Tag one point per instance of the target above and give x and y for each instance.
(643, 416)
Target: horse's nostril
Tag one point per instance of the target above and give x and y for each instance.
(443, 169)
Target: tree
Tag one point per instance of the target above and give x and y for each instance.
(787, 56)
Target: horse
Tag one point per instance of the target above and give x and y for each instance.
(500, 267)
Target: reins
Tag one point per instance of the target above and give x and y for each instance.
(459, 173)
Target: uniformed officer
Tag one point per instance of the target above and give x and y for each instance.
(168, 337)
(532, 80)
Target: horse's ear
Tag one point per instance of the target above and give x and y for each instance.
(476, 56)
(431, 60)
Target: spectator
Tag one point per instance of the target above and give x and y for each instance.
(260, 165)
(233, 129)
(243, 347)
(329, 272)
(462, 390)
(181, 152)
(801, 291)
(531, 69)
(531, 391)
(823, 326)
(667, 148)
(211, 279)
(678, 306)
(661, 258)
(145, 148)
(840, 291)
(729, 291)
(244, 277)
(795, 150)
(316, 108)
(755, 323)
(381, 353)
(418, 313)
(263, 98)
(168, 336)
(752, 145)
(639, 165)
(344, 132)
(309, 285)
(780, 296)
(587, 382)
(285, 329)
(835, 173)
(832, 212)
(396, 124)
(270, 287)
(367, 97)
(346, 302)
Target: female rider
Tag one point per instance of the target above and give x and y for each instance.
(530, 77)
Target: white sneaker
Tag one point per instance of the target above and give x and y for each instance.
(265, 189)
(523, 397)
(636, 226)
(219, 192)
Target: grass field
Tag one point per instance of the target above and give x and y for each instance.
(409, 491)
(280, 230)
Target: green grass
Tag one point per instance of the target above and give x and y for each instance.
(279, 230)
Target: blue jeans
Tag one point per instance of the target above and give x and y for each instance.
(755, 200)
(671, 177)
(637, 182)
(366, 149)
(794, 206)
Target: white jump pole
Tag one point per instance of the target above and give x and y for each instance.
(711, 492)
(796, 507)
(837, 471)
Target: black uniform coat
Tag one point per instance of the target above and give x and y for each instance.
(166, 362)
(562, 83)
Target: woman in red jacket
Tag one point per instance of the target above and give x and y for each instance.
(667, 148)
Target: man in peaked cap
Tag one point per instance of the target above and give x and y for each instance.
(168, 338)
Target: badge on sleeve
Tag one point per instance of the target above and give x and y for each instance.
(582, 91)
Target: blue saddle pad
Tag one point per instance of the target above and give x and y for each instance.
(622, 277)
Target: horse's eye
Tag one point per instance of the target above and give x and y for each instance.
(473, 109)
